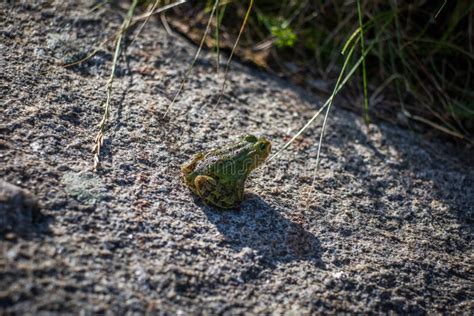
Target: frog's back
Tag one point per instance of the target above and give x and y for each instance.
(223, 159)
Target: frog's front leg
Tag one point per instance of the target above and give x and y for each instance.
(188, 168)
(239, 189)
(213, 192)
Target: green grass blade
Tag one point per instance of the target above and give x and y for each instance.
(337, 88)
(364, 71)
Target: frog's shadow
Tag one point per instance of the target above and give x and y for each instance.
(262, 227)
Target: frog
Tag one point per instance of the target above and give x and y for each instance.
(218, 176)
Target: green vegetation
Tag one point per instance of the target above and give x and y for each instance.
(415, 59)
(419, 54)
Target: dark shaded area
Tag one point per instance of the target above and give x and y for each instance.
(261, 227)
(20, 212)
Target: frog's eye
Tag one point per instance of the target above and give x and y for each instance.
(262, 146)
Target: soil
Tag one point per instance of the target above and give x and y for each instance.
(385, 225)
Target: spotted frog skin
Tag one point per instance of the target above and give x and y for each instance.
(218, 176)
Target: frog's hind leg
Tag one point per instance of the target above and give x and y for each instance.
(213, 193)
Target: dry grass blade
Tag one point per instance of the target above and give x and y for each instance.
(247, 14)
(145, 17)
(188, 72)
(99, 139)
(159, 10)
(440, 9)
(157, 2)
(152, 12)
(434, 125)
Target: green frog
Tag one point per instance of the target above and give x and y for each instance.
(218, 176)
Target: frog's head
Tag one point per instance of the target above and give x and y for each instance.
(259, 149)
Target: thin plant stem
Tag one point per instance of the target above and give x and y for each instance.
(157, 2)
(364, 72)
(188, 72)
(217, 38)
(219, 16)
(247, 14)
(159, 10)
(99, 139)
(440, 9)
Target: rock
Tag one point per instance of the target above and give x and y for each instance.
(384, 228)
(19, 209)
